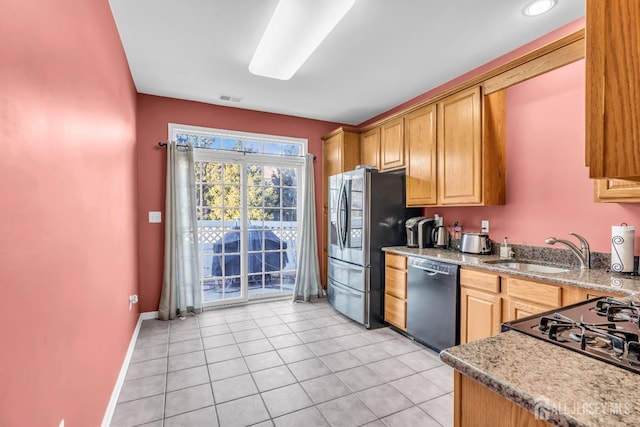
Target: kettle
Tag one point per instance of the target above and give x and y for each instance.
(441, 237)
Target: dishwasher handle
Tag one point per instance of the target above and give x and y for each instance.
(429, 271)
(431, 268)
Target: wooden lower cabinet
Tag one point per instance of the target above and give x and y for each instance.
(518, 309)
(480, 304)
(474, 405)
(489, 299)
(573, 295)
(395, 290)
(527, 297)
(480, 314)
(395, 311)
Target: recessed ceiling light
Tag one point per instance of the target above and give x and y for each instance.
(296, 29)
(538, 7)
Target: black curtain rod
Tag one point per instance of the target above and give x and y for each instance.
(164, 144)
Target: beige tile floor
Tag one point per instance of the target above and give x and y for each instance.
(281, 364)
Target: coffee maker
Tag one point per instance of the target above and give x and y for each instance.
(420, 232)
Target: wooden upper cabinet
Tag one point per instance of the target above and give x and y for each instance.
(370, 148)
(420, 141)
(456, 150)
(340, 153)
(460, 148)
(613, 89)
(616, 191)
(392, 144)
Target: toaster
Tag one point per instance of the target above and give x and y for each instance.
(475, 243)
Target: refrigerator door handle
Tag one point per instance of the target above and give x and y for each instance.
(339, 224)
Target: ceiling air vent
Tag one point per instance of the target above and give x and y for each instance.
(230, 98)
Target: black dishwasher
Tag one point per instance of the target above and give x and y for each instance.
(433, 303)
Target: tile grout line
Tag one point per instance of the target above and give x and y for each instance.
(300, 316)
(204, 353)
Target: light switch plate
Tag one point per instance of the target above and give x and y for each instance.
(484, 227)
(155, 217)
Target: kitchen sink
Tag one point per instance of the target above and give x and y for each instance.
(525, 265)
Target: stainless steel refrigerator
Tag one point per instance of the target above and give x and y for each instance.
(366, 212)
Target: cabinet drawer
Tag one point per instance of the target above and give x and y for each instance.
(476, 279)
(395, 283)
(396, 261)
(395, 311)
(538, 293)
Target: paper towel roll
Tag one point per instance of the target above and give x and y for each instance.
(622, 237)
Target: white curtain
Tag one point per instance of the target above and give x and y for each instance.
(181, 291)
(308, 285)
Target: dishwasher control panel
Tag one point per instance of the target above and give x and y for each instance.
(433, 266)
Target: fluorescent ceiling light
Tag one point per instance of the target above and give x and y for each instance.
(539, 7)
(296, 29)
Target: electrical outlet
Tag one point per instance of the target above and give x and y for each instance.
(155, 217)
(133, 299)
(484, 227)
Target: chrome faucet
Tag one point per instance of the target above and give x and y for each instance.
(583, 254)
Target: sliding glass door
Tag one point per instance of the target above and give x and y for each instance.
(247, 194)
(247, 215)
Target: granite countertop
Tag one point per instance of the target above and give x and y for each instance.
(565, 387)
(596, 278)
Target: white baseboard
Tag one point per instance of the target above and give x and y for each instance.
(106, 421)
(149, 315)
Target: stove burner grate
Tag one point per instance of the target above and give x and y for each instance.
(605, 328)
(616, 310)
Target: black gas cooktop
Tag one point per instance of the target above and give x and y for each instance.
(604, 328)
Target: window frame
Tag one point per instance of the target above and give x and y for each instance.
(248, 158)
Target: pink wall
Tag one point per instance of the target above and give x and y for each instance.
(67, 216)
(516, 53)
(548, 187)
(548, 192)
(154, 115)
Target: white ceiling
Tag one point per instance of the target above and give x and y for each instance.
(384, 52)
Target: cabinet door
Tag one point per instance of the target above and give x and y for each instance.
(518, 309)
(616, 191)
(460, 148)
(395, 311)
(420, 141)
(370, 148)
(340, 153)
(332, 152)
(612, 89)
(392, 144)
(395, 282)
(480, 314)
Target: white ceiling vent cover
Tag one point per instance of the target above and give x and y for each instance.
(230, 98)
